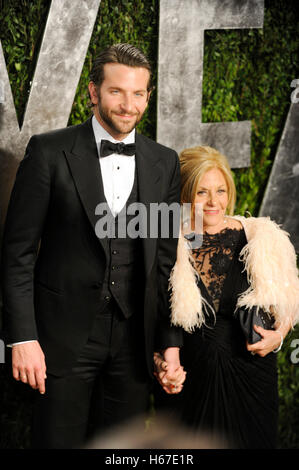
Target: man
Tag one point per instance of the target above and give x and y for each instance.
(84, 313)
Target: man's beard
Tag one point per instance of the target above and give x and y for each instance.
(117, 127)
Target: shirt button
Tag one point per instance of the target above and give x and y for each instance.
(112, 282)
(114, 252)
(113, 268)
(107, 297)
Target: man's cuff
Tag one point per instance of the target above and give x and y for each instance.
(20, 342)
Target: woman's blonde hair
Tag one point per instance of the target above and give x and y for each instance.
(195, 162)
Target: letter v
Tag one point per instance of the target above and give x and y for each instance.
(66, 38)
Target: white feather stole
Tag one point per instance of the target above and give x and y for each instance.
(187, 304)
(270, 262)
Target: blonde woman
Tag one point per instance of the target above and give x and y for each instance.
(231, 385)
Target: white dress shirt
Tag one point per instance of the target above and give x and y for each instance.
(118, 171)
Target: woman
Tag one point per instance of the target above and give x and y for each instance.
(231, 385)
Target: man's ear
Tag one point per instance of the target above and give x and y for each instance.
(93, 93)
(149, 95)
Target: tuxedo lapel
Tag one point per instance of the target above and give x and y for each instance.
(149, 176)
(86, 171)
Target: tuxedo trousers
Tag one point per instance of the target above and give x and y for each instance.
(107, 386)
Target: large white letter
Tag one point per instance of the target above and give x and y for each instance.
(62, 54)
(181, 46)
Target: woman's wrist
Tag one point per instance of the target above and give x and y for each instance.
(281, 341)
(171, 355)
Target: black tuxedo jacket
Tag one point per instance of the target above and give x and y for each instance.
(54, 264)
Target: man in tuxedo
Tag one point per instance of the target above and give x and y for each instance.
(83, 311)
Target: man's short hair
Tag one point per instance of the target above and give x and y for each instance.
(124, 54)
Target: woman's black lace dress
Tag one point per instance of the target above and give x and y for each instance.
(228, 392)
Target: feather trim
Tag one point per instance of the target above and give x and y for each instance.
(187, 304)
(270, 262)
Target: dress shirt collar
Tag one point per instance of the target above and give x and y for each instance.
(100, 134)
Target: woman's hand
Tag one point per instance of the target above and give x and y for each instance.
(271, 339)
(170, 375)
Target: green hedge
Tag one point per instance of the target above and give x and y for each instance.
(247, 75)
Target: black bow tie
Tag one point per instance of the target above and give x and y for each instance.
(107, 148)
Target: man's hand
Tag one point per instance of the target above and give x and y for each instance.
(168, 371)
(28, 365)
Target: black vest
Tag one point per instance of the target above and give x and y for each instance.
(124, 275)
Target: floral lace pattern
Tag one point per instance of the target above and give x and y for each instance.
(213, 259)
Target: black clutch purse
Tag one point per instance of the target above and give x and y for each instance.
(254, 316)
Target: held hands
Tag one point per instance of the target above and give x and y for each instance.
(271, 340)
(168, 371)
(28, 365)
